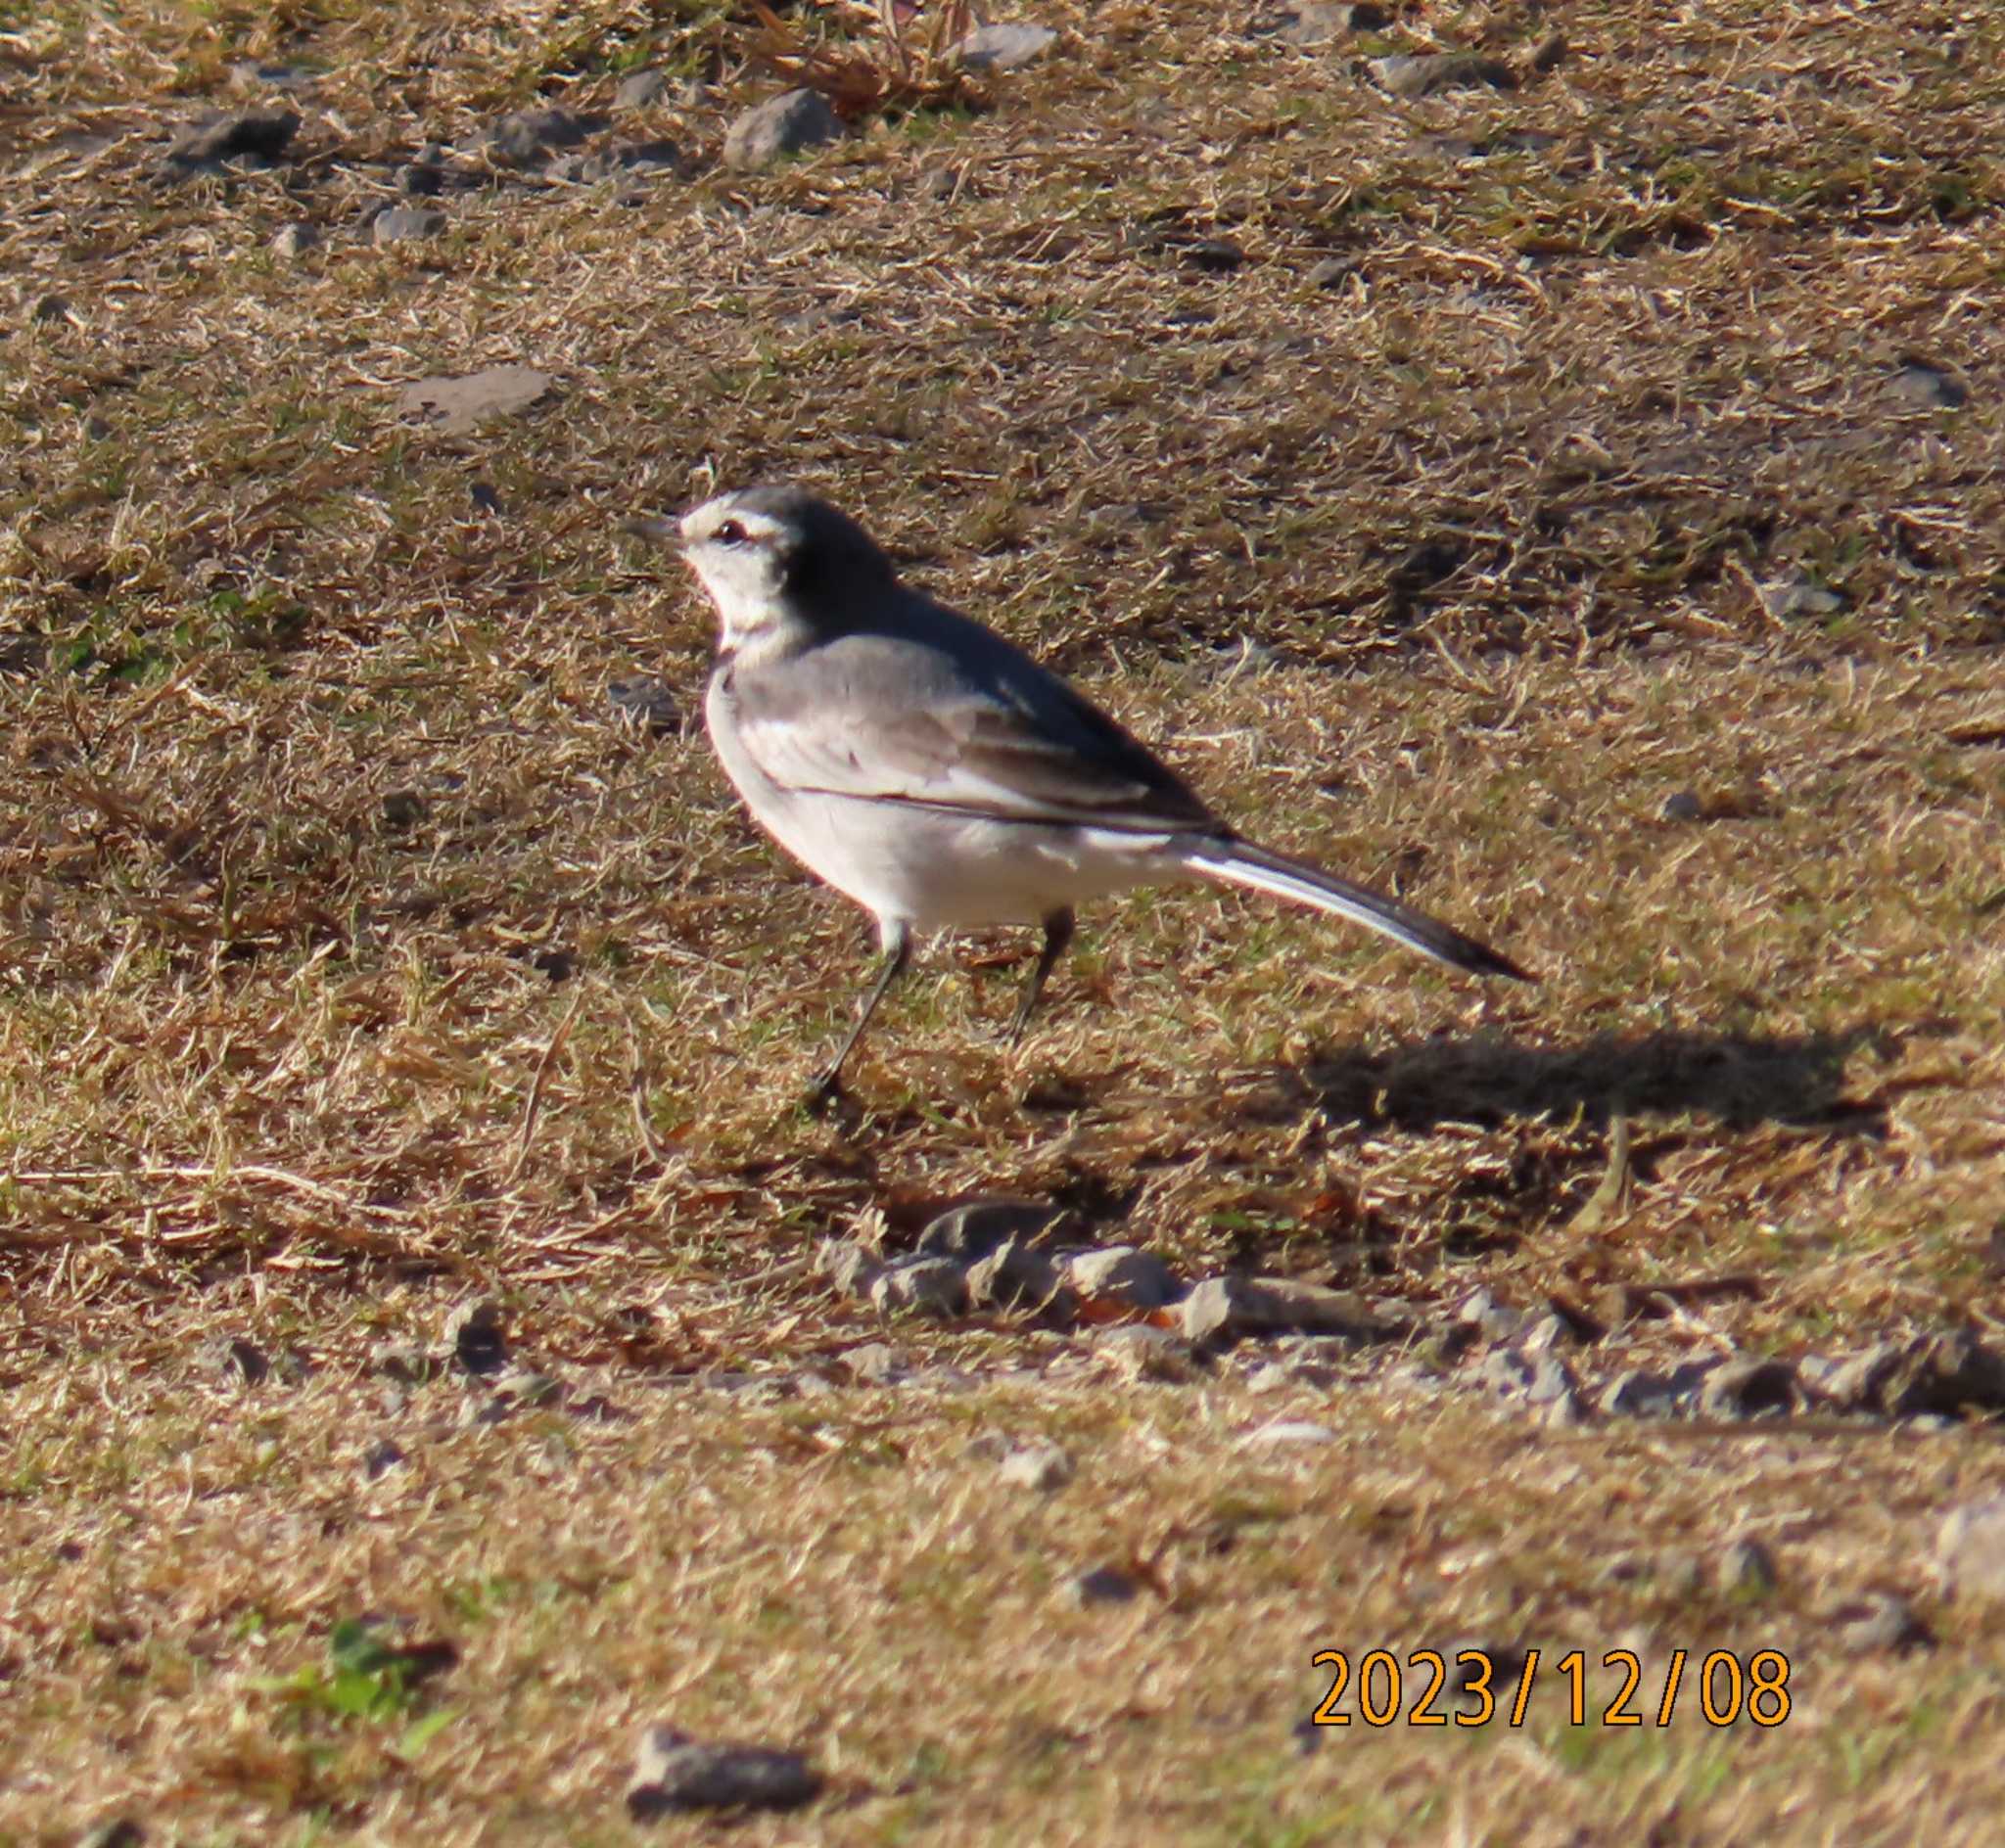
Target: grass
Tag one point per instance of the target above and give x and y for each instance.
(361, 962)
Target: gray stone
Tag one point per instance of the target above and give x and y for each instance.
(674, 1773)
(1802, 596)
(264, 134)
(1142, 1353)
(1104, 1585)
(1949, 1375)
(1749, 1387)
(648, 157)
(1040, 1466)
(1969, 1550)
(1286, 1433)
(1014, 1276)
(1880, 1621)
(874, 1363)
(1005, 46)
(1226, 1308)
(1746, 1566)
(1124, 1274)
(295, 240)
(1332, 272)
(1428, 72)
(976, 1228)
(929, 1286)
(529, 136)
(847, 1266)
(1315, 24)
(786, 125)
(1685, 805)
(456, 406)
(254, 74)
(642, 89)
(1920, 386)
(1541, 1378)
(1636, 1392)
(479, 1337)
(645, 701)
(406, 224)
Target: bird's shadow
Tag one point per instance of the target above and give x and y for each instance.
(1739, 1080)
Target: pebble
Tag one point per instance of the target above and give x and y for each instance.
(647, 703)
(1012, 1276)
(976, 1228)
(529, 136)
(1006, 46)
(1286, 1432)
(406, 224)
(1880, 1621)
(295, 240)
(642, 89)
(1332, 272)
(262, 133)
(1428, 74)
(930, 1286)
(672, 1773)
(1746, 1388)
(874, 1363)
(1040, 1466)
(1124, 1274)
(1224, 1308)
(1636, 1392)
(1492, 1320)
(1802, 596)
(1685, 805)
(788, 124)
(1104, 1585)
(849, 1267)
(479, 1337)
(1923, 387)
(1146, 1353)
(456, 406)
(1969, 1550)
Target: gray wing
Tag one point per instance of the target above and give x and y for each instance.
(962, 722)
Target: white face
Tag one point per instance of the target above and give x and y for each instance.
(739, 554)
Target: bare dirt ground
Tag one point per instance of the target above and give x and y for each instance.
(1568, 495)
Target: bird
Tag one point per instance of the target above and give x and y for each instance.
(935, 773)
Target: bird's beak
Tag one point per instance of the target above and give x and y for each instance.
(654, 528)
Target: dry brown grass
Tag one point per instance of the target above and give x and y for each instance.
(359, 960)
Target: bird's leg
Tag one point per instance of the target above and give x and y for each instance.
(1057, 935)
(897, 951)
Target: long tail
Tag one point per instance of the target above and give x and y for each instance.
(1241, 863)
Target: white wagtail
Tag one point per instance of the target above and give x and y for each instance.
(934, 772)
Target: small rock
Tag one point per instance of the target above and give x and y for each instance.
(1541, 1378)
(251, 74)
(1146, 1353)
(1216, 257)
(1005, 46)
(1040, 1466)
(930, 1286)
(118, 1832)
(406, 224)
(1928, 388)
(1969, 1550)
(648, 157)
(847, 1266)
(643, 89)
(237, 1357)
(788, 124)
(1315, 24)
(1013, 1275)
(295, 240)
(1747, 1388)
(1952, 1374)
(456, 406)
(1549, 53)
(479, 1337)
(529, 136)
(1286, 1432)
(1636, 1394)
(380, 1457)
(977, 1228)
(1880, 1621)
(1332, 272)
(1426, 74)
(1123, 1274)
(263, 133)
(1104, 1585)
(1802, 596)
(647, 703)
(1685, 805)
(1746, 1565)
(1492, 1320)
(874, 1363)
(1227, 1307)
(672, 1773)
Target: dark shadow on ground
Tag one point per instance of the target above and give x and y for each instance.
(1740, 1081)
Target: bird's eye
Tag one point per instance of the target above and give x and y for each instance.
(731, 534)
